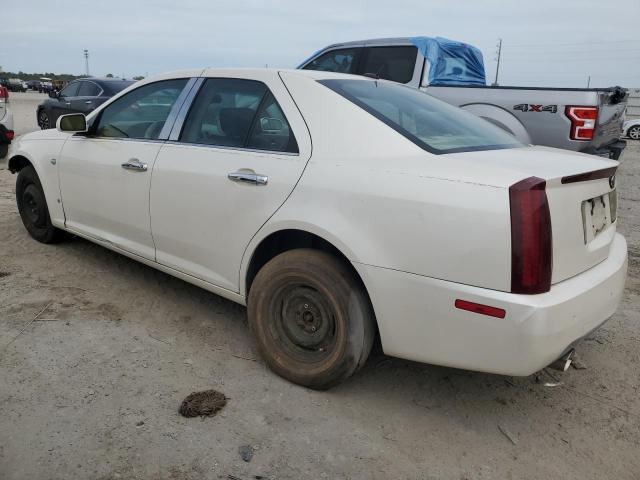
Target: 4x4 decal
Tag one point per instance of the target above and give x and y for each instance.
(528, 107)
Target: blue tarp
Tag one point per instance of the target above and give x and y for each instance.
(452, 63)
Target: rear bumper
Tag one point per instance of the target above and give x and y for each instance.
(417, 319)
(612, 151)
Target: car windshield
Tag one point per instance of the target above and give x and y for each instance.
(428, 122)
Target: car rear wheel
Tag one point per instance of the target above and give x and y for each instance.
(312, 319)
(33, 208)
(634, 132)
(43, 120)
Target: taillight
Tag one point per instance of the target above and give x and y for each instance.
(4, 93)
(9, 134)
(531, 250)
(583, 122)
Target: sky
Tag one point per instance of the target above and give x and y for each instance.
(545, 43)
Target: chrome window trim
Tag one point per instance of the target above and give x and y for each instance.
(181, 115)
(233, 149)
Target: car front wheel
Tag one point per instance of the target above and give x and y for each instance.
(312, 319)
(43, 120)
(634, 132)
(33, 209)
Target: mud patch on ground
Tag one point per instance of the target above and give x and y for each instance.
(4, 274)
(203, 404)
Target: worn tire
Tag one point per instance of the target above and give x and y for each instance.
(33, 208)
(311, 317)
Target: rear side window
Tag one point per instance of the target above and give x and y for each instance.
(391, 63)
(88, 89)
(238, 113)
(428, 122)
(342, 61)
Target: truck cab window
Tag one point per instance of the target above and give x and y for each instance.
(391, 63)
(342, 61)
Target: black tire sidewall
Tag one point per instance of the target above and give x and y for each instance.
(48, 233)
(355, 323)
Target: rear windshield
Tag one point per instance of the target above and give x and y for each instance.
(428, 122)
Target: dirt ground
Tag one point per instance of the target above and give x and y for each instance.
(98, 351)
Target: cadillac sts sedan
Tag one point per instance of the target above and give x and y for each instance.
(339, 208)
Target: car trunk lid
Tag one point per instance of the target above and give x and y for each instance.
(581, 196)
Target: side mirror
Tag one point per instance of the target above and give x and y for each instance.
(74, 122)
(53, 94)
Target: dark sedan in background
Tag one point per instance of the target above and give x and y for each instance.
(79, 96)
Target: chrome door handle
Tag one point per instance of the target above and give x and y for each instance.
(88, 102)
(68, 103)
(135, 164)
(248, 177)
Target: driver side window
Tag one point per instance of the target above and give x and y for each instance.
(141, 113)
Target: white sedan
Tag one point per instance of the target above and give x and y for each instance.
(631, 129)
(338, 208)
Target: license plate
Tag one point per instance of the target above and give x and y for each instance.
(597, 214)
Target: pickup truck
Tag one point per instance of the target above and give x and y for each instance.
(586, 120)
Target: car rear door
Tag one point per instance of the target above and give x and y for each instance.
(105, 176)
(85, 101)
(231, 164)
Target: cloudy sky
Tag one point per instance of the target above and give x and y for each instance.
(554, 43)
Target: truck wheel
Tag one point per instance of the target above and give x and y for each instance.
(33, 209)
(634, 132)
(43, 120)
(312, 319)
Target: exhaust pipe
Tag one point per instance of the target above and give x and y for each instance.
(564, 362)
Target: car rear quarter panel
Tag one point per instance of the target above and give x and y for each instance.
(388, 203)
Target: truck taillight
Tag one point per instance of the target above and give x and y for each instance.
(4, 94)
(531, 249)
(583, 121)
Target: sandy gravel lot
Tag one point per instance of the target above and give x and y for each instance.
(91, 388)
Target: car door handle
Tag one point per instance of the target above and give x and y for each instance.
(68, 103)
(135, 164)
(88, 102)
(248, 176)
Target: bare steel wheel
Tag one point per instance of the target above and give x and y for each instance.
(634, 132)
(43, 120)
(33, 208)
(312, 319)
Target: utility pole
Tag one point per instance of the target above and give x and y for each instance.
(498, 53)
(588, 81)
(86, 62)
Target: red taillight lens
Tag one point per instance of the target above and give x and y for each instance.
(583, 122)
(531, 251)
(9, 134)
(4, 93)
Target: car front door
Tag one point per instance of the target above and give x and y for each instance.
(224, 172)
(62, 104)
(105, 175)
